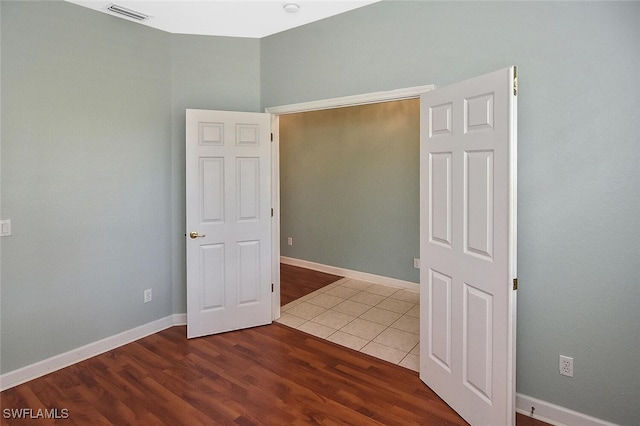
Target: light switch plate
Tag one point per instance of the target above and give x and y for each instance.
(5, 228)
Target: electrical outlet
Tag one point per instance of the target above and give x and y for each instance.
(5, 226)
(147, 295)
(416, 263)
(290, 241)
(566, 366)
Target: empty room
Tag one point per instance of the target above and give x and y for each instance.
(98, 241)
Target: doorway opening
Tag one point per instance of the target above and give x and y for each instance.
(350, 198)
(282, 112)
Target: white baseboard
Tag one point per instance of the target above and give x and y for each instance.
(348, 273)
(554, 414)
(179, 319)
(33, 371)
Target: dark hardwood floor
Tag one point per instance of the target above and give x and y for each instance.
(270, 375)
(296, 282)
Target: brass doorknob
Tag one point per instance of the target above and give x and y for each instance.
(194, 235)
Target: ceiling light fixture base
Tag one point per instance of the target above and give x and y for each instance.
(291, 7)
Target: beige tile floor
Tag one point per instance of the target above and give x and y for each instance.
(374, 319)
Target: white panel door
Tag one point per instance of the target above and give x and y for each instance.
(228, 174)
(468, 246)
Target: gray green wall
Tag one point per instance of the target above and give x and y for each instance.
(579, 166)
(349, 187)
(207, 73)
(85, 166)
(92, 155)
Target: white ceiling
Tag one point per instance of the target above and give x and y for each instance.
(233, 18)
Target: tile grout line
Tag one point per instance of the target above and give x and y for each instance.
(310, 296)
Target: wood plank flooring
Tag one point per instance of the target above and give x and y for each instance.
(296, 282)
(270, 375)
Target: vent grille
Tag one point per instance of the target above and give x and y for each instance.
(127, 12)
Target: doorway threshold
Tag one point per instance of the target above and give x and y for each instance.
(374, 319)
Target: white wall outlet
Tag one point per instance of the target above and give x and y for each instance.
(416, 263)
(147, 295)
(290, 241)
(566, 366)
(5, 228)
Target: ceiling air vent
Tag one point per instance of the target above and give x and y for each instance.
(127, 12)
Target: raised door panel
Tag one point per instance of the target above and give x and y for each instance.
(212, 189)
(439, 342)
(248, 272)
(440, 198)
(478, 203)
(248, 189)
(212, 276)
(477, 341)
(478, 113)
(211, 134)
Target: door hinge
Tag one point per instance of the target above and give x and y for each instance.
(271, 137)
(271, 212)
(515, 81)
(515, 283)
(271, 287)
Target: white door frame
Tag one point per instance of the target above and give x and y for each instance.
(345, 101)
